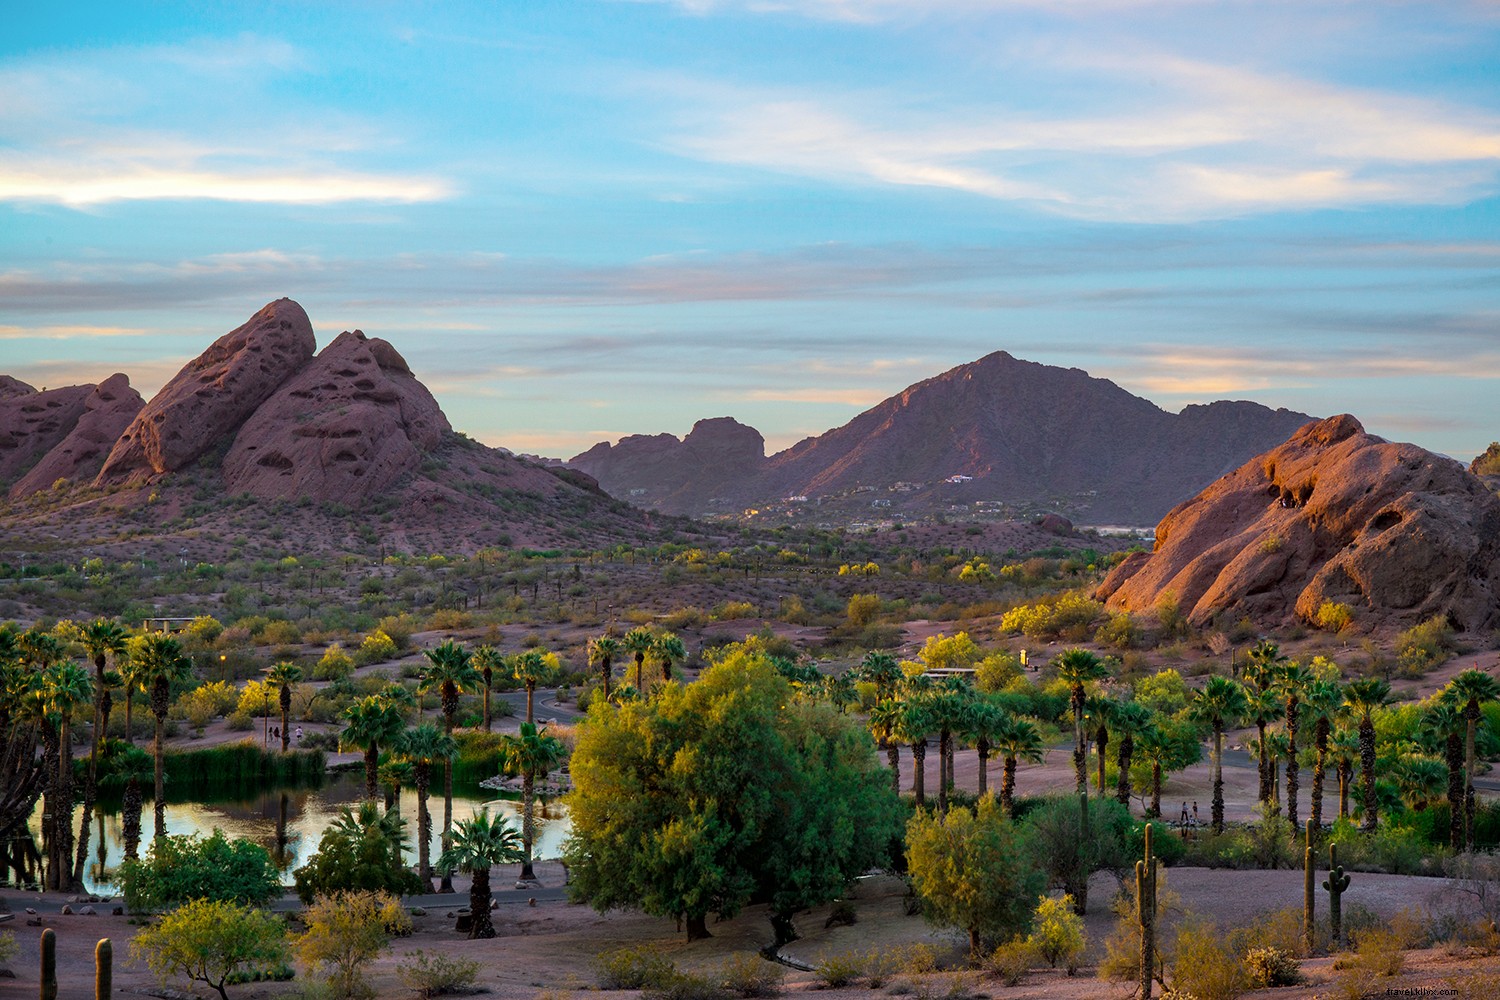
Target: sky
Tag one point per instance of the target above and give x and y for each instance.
(580, 220)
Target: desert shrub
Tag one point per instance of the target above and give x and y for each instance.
(749, 975)
(1164, 691)
(333, 665)
(839, 969)
(447, 619)
(436, 974)
(7, 946)
(1118, 631)
(1174, 624)
(345, 931)
(634, 969)
(281, 633)
(212, 941)
(377, 646)
(732, 609)
(996, 672)
(179, 868)
(1072, 610)
(205, 703)
(1205, 965)
(1010, 962)
(1057, 932)
(1234, 848)
(685, 986)
(1272, 967)
(915, 959)
(398, 628)
(1277, 930)
(258, 699)
(358, 852)
(1332, 616)
(204, 628)
(1424, 646)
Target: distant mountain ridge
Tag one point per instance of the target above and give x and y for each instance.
(998, 430)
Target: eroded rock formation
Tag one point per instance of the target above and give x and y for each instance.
(105, 414)
(33, 423)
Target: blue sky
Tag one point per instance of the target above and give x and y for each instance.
(582, 220)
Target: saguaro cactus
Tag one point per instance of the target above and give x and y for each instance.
(1335, 883)
(1145, 914)
(49, 965)
(104, 957)
(1309, 898)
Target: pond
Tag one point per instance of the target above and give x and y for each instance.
(301, 814)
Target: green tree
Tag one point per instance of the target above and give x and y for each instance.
(283, 678)
(602, 652)
(65, 688)
(160, 663)
(358, 851)
(1077, 668)
(450, 671)
(424, 746)
(345, 931)
(1322, 705)
(1292, 681)
(179, 868)
(102, 639)
(669, 652)
(1471, 688)
(1131, 720)
(712, 794)
(1058, 933)
(373, 722)
(914, 727)
(530, 753)
(533, 667)
(881, 669)
(479, 843)
(885, 719)
(210, 940)
(487, 660)
(974, 871)
(984, 724)
(1363, 697)
(1219, 703)
(1019, 740)
(638, 642)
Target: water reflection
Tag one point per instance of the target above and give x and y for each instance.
(288, 822)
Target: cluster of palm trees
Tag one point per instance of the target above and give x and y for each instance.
(641, 644)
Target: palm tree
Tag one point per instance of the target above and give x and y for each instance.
(130, 683)
(983, 724)
(1292, 681)
(1363, 697)
(373, 723)
(1131, 720)
(1445, 720)
(669, 651)
(638, 642)
(1322, 704)
(487, 659)
(602, 651)
(1420, 777)
(101, 639)
(1076, 668)
(450, 671)
(1343, 750)
(1099, 715)
(913, 726)
(530, 753)
(882, 670)
(283, 677)
(839, 690)
(1263, 704)
(66, 687)
(1155, 746)
(159, 663)
(1220, 702)
(533, 667)
(477, 845)
(1019, 741)
(424, 746)
(1470, 688)
(948, 706)
(885, 719)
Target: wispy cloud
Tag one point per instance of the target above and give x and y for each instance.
(828, 394)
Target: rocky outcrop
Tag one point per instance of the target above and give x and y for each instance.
(1334, 514)
(719, 460)
(347, 426)
(107, 411)
(212, 396)
(13, 387)
(33, 423)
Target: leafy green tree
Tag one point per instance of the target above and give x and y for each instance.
(1077, 668)
(480, 843)
(283, 678)
(712, 795)
(373, 722)
(487, 660)
(974, 871)
(210, 940)
(1071, 850)
(359, 851)
(346, 931)
(424, 746)
(533, 667)
(530, 753)
(1058, 933)
(1363, 697)
(1220, 703)
(160, 663)
(602, 652)
(183, 867)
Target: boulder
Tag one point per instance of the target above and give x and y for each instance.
(347, 426)
(12, 387)
(1334, 514)
(213, 394)
(107, 411)
(33, 423)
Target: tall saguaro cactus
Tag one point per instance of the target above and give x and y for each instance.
(1309, 898)
(104, 957)
(49, 965)
(1145, 914)
(1335, 883)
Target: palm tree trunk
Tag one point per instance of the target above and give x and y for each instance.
(1080, 757)
(372, 763)
(604, 672)
(1320, 768)
(530, 690)
(1293, 772)
(528, 795)
(159, 803)
(893, 755)
(130, 821)
(91, 785)
(1008, 787)
(286, 711)
(1345, 774)
(1471, 719)
(1155, 809)
(1455, 758)
(446, 883)
(486, 701)
(1367, 765)
(1122, 759)
(640, 658)
(918, 767)
(983, 750)
(480, 925)
(945, 738)
(1264, 795)
(1101, 745)
(1218, 804)
(424, 826)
